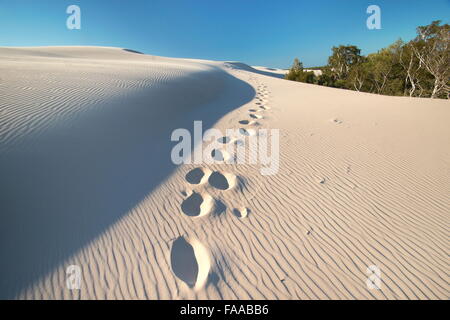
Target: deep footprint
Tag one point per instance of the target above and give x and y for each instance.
(197, 205)
(183, 261)
(195, 176)
(219, 181)
(190, 262)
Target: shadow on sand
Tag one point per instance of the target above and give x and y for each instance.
(76, 182)
(243, 66)
(132, 51)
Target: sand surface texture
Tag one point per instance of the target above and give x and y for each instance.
(86, 179)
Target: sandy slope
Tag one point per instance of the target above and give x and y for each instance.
(86, 179)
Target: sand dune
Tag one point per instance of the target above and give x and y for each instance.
(87, 180)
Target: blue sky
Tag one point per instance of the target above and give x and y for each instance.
(258, 32)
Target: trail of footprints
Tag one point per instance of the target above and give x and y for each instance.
(190, 259)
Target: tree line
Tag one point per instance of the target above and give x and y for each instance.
(418, 68)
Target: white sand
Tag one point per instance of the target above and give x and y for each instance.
(86, 179)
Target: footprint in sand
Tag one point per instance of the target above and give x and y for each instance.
(246, 122)
(220, 155)
(260, 109)
(197, 176)
(262, 97)
(224, 140)
(256, 116)
(190, 262)
(197, 205)
(246, 132)
(241, 213)
(222, 181)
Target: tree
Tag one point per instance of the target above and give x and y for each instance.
(381, 64)
(297, 66)
(432, 48)
(342, 59)
(395, 84)
(296, 73)
(326, 78)
(420, 67)
(412, 68)
(358, 74)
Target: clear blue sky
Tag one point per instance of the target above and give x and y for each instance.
(258, 32)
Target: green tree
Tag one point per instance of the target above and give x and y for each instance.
(326, 78)
(297, 73)
(297, 66)
(381, 65)
(420, 67)
(432, 48)
(342, 59)
(358, 74)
